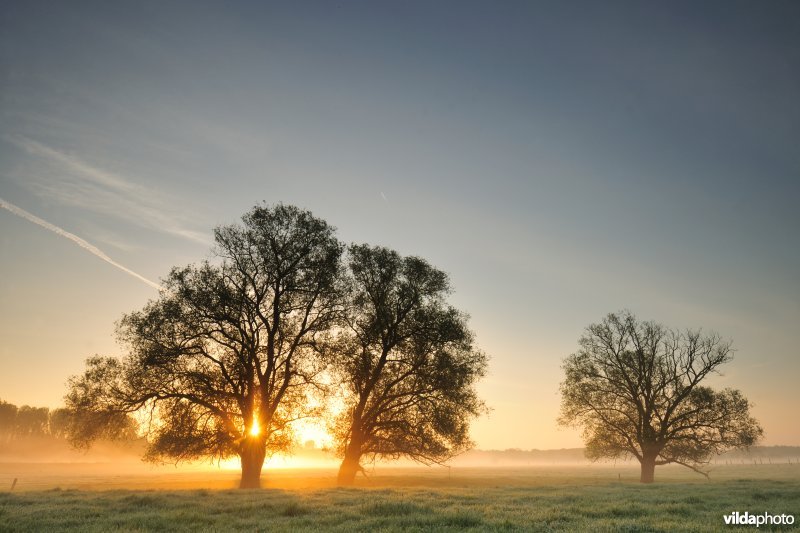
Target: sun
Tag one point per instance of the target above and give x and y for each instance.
(255, 429)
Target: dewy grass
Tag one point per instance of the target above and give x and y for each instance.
(477, 501)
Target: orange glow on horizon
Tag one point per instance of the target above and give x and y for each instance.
(282, 461)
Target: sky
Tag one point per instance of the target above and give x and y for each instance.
(559, 160)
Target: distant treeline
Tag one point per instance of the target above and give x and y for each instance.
(28, 423)
(39, 434)
(781, 453)
(515, 456)
(24, 422)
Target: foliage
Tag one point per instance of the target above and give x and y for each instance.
(407, 361)
(635, 388)
(222, 360)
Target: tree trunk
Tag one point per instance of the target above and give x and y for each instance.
(252, 453)
(350, 465)
(648, 462)
(347, 471)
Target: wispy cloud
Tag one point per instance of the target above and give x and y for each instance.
(88, 187)
(74, 164)
(94, 250)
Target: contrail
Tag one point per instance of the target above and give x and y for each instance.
(74, 238)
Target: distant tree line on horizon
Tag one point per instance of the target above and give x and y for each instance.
(23, 423)
(517, 456)
(26, 421)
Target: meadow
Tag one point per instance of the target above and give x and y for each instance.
(537, 498)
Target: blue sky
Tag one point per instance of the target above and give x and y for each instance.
(560, 160)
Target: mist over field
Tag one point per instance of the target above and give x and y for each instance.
(45, 451)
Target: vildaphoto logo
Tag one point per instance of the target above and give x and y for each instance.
(764, 519)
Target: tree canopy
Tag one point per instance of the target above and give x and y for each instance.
(407, 363)
(636, 388)
(221, 361)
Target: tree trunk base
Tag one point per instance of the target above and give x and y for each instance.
(347, 472)
(252, 456)
(648, 474)
(250, 481)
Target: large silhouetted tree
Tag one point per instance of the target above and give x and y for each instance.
(407, 362)
(220, 363)
(636, 390)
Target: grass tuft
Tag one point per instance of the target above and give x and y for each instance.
(392, 508)
(464, 520)
(293, 509)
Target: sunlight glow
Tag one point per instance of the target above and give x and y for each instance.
(312, 435)
(255, 429)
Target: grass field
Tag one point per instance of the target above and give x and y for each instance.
(507, 499)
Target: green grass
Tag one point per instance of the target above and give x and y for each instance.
(534, 500)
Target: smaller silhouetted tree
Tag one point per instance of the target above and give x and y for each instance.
(635, 389)
(407, 362)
